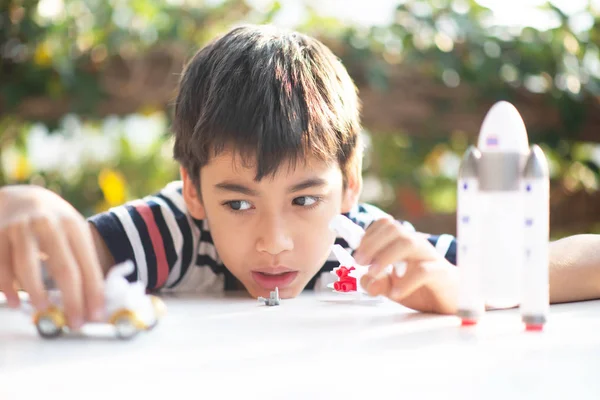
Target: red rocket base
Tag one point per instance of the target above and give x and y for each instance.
(534, 327)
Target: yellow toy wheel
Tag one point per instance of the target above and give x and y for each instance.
(50, 323)
(126, 324)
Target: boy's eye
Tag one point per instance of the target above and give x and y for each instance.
(305, 201)
(239, 205)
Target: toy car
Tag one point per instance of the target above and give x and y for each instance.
(128, 308)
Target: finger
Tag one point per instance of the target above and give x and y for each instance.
(7, 277)
(7, 286)
(375, 231)
(82, 246)
(407, 247)
(62, 266)
(378, 224)
(378, 286)
(373, 241)
(26, 265)
(401, 287)
(395, 252)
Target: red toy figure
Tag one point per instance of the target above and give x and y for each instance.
(345, 283)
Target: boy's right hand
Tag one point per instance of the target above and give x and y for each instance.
(37, 224)
(429, 282)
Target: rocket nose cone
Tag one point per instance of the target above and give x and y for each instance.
(503, 130)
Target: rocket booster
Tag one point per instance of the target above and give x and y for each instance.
(535, 296)
(471, 304)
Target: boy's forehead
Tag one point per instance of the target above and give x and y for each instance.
(231, 162)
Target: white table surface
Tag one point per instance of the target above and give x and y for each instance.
(308, 348)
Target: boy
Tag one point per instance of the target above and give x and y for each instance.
(266, 132)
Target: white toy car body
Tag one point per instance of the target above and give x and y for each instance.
(127, 307)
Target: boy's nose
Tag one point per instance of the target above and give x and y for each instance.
(273, 236)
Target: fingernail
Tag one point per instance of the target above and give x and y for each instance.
(97, 315)
(373, 270)
(367, 280)
(42, 305)
(12, 302)
(358, 257)
(76, 323)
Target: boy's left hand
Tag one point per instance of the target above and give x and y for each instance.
(430, 283)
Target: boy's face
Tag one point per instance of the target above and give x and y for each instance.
(273, 232)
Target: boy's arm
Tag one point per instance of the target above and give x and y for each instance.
(575, 268)
(105, 257)
(156, 233)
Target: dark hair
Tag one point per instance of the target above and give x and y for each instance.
(274, 96)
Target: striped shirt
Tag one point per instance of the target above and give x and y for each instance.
(173, 251)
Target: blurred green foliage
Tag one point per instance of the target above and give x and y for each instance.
(58, 49)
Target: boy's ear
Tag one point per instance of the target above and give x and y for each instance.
(353, 188)
(191, 196)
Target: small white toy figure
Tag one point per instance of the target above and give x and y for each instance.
(127, 307)
(273, 299)
(503, 222)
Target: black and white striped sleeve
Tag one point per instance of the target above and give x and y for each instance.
(445, 245)
(156, 233)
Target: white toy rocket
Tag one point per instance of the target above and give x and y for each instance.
(352, 234)
(503, 222)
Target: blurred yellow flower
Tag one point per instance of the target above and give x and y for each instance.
(22, 169)
(113, 186)
(148, 110)
(41, 56)
(432, 161)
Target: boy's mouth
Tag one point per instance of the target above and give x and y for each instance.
(271, 278)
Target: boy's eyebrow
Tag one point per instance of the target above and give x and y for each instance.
(236, 187)
(239, 188)
(306, 184)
